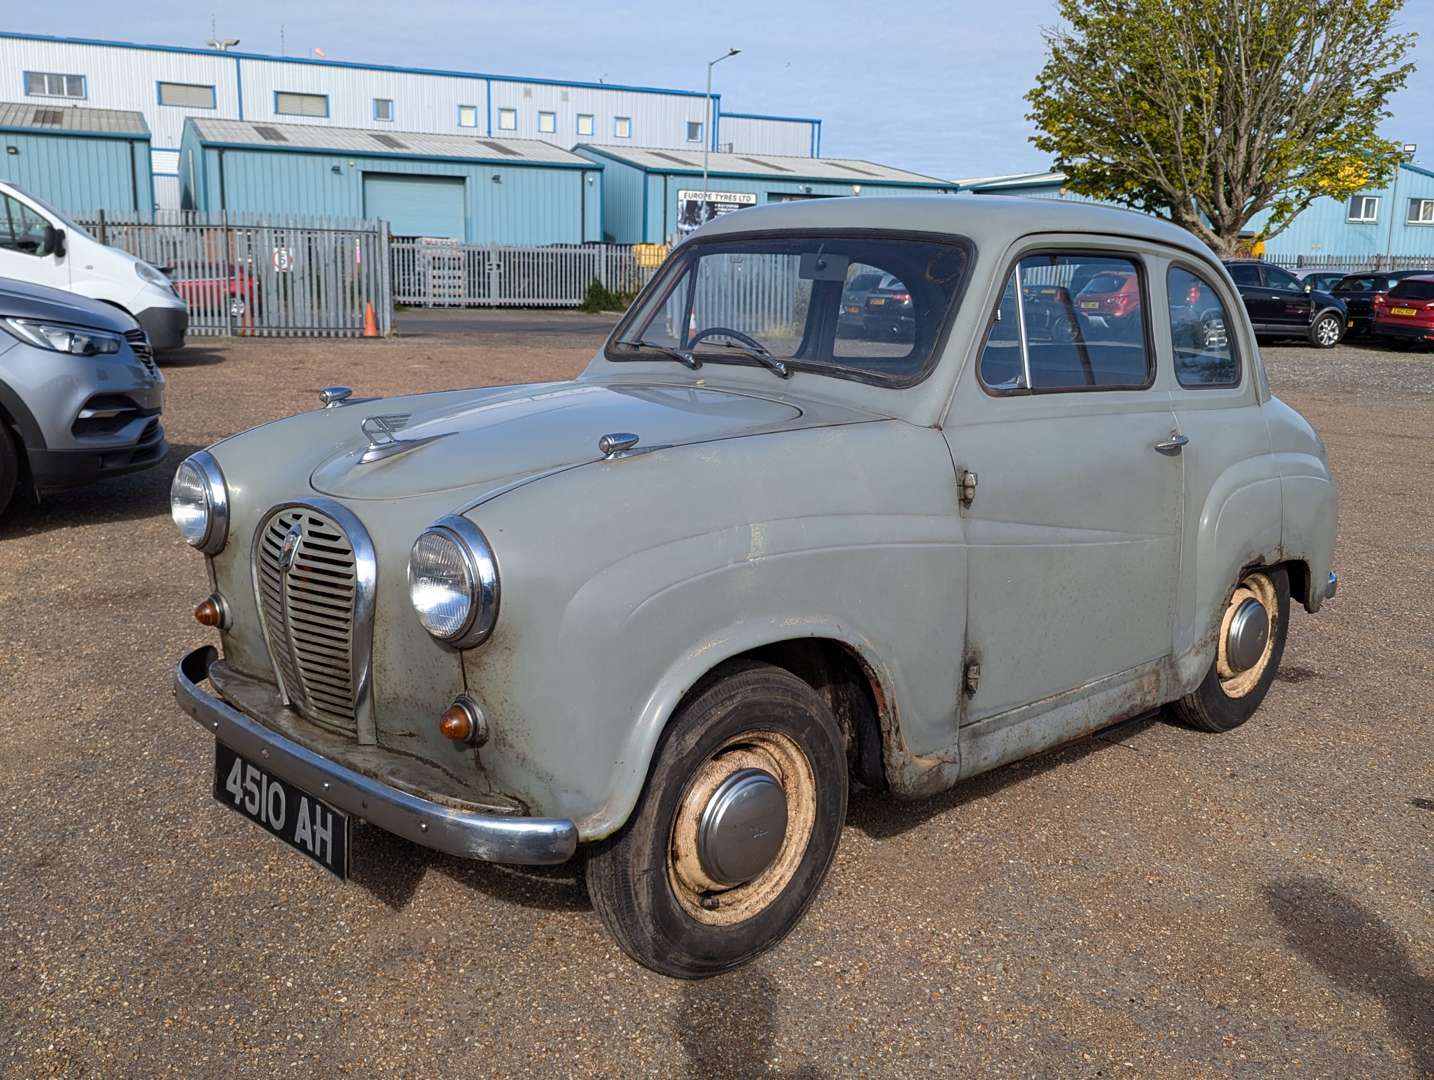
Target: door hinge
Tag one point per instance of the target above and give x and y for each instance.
(966, 487)
(972, 678)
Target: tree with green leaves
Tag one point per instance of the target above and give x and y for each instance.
(1211, 112)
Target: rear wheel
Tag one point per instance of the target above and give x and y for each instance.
(9, 467)
(1326, 331)
(734, 831)
(1250, 645)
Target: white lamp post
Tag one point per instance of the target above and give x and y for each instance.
(707, 127)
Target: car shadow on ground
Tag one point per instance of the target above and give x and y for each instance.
(727, 1026)
(391, 868)
(190, 356)
(122, 498)
(1358, 952)
(881, 816)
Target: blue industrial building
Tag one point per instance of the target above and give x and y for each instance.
(651, 196)
(78, 159)
(475, 190)
(1395, 220)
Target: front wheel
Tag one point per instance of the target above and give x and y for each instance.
(1248, 650)
(734, 831)
(1326, 331)
(9, 468)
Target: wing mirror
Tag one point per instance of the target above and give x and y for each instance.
(53, 242)
(1309, 287)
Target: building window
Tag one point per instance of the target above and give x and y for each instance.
(291, 104)
(547, 122)
(1364, 208)
(48, 84)
(468, 116)
(694, 131)
(585, 124)
(186, 95)
(1421, 211)
(622, 127)
(507, 119)
(383, 108)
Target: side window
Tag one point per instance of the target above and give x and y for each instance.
(1076, 323)
(21, 229)
(1283, 280)
(1200, 332)
(1246, 274)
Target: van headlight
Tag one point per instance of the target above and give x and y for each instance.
(149, 275)
(453, 582)
(199, 503)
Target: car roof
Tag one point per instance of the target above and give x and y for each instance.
(987, 220)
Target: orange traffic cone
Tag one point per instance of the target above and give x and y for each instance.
(370, 321)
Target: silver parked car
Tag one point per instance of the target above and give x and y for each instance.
(667, 613)
(80, 396)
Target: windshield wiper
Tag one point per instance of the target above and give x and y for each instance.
(686, 359)
(761, 355)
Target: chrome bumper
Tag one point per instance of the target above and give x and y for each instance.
(490, 837)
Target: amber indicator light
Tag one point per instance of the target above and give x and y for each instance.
(208, 612)
(456, 724)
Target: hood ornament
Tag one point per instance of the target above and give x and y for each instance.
(383, 440)
(616, 443)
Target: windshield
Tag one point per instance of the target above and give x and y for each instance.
(804, 299)
(69, 225)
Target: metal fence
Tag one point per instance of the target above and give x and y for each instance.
(264, 276)
(436, 273)
(1353, 264)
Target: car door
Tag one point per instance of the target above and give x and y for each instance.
(1258, 300)
(1074, 517)
(22, 235)
(1232, 500)
(1290, 301)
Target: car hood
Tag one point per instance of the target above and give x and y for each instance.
(23, 300)
(490, 439)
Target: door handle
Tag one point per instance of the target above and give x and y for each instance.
(1173, 444)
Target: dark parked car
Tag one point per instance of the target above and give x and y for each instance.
(1358, 292)
(851, 320)
(1406, 312)
(889, 314)
(1322, 279)
(1281, 305)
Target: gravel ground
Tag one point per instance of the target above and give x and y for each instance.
(1151, 901)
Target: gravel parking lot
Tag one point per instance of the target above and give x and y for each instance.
(1151, 901)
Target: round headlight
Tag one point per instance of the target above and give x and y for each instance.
(199, 503)
(453, 582)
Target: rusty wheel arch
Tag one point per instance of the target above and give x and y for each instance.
(848, 685)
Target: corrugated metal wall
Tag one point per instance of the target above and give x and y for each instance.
(526, 205)
(77, 172)
(1325, 228)
(750, 134)
(121, 76)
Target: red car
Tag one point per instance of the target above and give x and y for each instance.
(208, 291)
(1112, 299)
(1406, 312)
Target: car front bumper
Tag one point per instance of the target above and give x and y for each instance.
(164, 326)
(56, 470)
(489, 837)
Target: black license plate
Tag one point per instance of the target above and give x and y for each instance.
(305, 823)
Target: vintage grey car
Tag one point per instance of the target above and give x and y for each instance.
(668, 613)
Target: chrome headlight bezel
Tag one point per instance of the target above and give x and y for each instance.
(480, 568)
(216, 502)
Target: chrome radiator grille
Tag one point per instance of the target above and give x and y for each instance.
(311, 587)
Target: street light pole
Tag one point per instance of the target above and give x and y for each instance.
(707, 127)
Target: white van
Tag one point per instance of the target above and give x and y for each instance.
(40, 245)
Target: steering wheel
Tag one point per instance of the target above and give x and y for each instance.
(722, 331)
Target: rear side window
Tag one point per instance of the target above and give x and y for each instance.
(1200, 332)
(1413, 290)
(1069, 322)
(1245, 274)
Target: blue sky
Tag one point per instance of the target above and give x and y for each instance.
(933, 87)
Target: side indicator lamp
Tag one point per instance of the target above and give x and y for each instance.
(464, 722)
(212, 611)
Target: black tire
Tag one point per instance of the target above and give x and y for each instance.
(1327, 330)
(1210, 707)
(9, 468)
(630, 877)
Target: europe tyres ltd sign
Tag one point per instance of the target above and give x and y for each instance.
(696, 208)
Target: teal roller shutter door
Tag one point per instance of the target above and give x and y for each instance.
(417, 205)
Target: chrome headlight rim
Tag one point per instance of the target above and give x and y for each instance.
(481, 573)
(216, 498)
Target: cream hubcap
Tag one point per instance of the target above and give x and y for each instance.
(742, 828)
(1247, 635)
